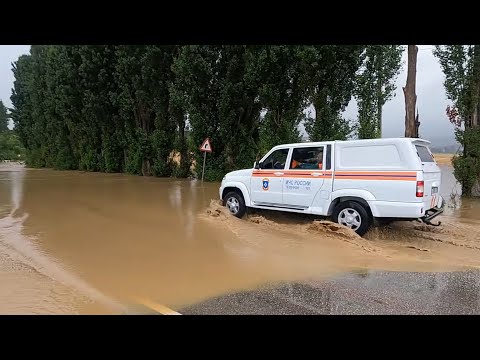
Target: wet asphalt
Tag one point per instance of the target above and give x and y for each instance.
(362, 293)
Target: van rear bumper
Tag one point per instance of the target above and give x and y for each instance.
(432, 214)
(390, 209)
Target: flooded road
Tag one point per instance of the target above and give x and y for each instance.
(89, 243)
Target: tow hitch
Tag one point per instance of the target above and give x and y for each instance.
(430, 215)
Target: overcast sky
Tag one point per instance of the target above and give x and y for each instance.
(431, 99)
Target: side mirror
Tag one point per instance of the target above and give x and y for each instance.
(256, 165)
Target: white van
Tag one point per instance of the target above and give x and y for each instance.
(353, 182)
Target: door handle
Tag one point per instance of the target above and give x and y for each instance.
(316, 174)
(278, 173)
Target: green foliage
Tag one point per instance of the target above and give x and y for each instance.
(143, 76)
(328, 76)
(461, 66)
(22, 112)
(10, 146)
(375, 85)
(221, 98)
(4, 117)
(178, 113)
(456, 62)
(279, 129)
(281, 94)
(466, 166)
(328, 123)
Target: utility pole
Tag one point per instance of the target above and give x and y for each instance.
(411, 129)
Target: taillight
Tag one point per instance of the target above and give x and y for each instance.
(420, 188)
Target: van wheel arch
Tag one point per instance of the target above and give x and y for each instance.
(231, 189)
(359, 200)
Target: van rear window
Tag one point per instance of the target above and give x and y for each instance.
(352, 156)
(424, 154)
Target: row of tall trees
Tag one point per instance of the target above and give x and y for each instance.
(461, 66)
(375, 85)
(129, 108)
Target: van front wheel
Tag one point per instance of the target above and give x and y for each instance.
(235, 204)
(352, 215)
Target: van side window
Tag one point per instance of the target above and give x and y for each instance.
(276, 160)
(328, 159)
(307, 158)
(424, 154)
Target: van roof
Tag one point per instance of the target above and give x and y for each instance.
(373, 141)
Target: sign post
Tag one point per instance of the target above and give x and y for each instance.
(206, 147)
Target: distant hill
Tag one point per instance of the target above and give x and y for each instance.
(444, 144)
(448, 149)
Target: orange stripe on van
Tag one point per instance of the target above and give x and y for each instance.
(390, 178)
(376, 175)
(340, 175)
(405, 173)
(302, 171)
(295, 174)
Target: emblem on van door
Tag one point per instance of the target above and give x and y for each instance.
(265, 184)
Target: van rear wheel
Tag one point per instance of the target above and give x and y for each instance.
(352, 215)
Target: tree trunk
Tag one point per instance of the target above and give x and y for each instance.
(321, 131)
(417, 125)
(475, 191)
(184, 157)
(146, 167)
(317, 107)
(409, 92)
(379, 93)
(476, 87)
(379, 113)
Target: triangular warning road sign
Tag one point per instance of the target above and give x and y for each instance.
(206, 147)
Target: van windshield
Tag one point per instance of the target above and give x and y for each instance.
(424, 154)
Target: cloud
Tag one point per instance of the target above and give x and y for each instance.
(431, 101)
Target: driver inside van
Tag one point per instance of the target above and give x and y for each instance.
(298, 163)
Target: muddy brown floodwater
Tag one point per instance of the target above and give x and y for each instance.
(91, 243)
